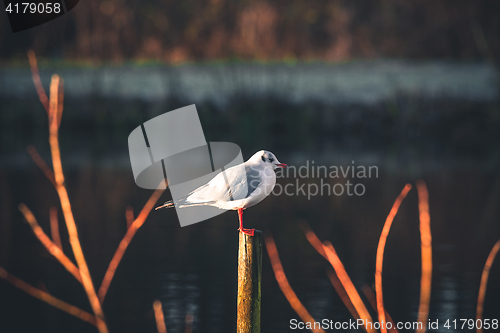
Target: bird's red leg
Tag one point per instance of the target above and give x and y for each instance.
(243, 230)
(240, 215)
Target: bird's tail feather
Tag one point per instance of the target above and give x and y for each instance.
(184, 203)
(196, 204)
(168, 204)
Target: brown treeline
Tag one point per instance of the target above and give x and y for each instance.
(190, 30)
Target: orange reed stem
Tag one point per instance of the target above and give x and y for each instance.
(36, 80)
(426, 250)
(334, 279)
(66, 206)
(139, 221)
(380, 255)
(351, 291)
(285, 286)
(54, 111)
(41, 164)
(60, 101)
(54, 227)
(47, 298)
(313, 239)
(484, 282)
(129, 216)
(370, 295)
(341, 285)
(49, 245)
(160, 319)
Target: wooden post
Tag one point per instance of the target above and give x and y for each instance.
(249, 283)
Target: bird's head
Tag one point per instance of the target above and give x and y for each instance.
(267, 158)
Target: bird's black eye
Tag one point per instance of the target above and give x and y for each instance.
(271, 159)
(263, 159)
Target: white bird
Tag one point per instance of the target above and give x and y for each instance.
(236, 188)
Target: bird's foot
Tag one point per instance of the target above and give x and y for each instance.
(249, 232)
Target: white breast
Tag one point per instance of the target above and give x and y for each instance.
(265, 188)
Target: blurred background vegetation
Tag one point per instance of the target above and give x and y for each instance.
(190, 30)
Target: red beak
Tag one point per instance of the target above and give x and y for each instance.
(281, 165)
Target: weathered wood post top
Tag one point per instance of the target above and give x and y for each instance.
(249, 282)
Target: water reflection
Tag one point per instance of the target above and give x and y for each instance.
(192, 270)
(180, 296)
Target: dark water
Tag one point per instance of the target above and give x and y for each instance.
(452, 145)
(193, 270)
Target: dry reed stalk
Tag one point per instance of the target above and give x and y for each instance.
(351, 291)
(117, 257)
(285, 286)
(41, 164)
(340, 285)
(484, 282)
(49, 245)
(334, 279)
(370, 295)
(380, 255)
(129, 216)
(36, 80)
(313, 239)
(47, 298)
(160, 319)
(54, 112)
(426, 250)
(60, 100)
(66, 205)
(54, 227)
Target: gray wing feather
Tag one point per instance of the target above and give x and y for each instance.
(253, 179)
(234, 183)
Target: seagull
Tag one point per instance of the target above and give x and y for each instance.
(236, 188)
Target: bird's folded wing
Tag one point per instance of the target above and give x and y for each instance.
(234, 183)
